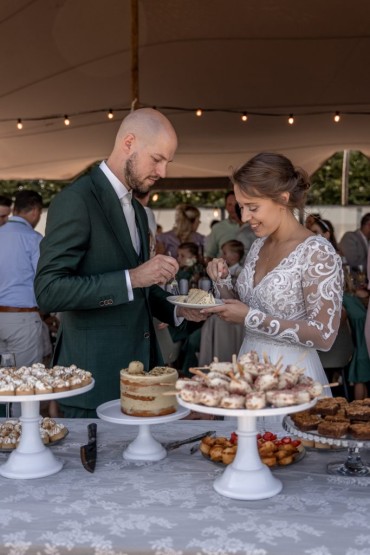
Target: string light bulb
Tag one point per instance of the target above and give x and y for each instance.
(291, 119)
(337, 117)
(66, 120)
(19, 124)
(155, 197)
(110, 114)
(244, 116)
(198, 112)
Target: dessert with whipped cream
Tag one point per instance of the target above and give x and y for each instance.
(142, 392)
(198, 296)
(11, 430)
(38, 380)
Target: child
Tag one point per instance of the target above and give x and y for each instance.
(191, 267)
(233, 253)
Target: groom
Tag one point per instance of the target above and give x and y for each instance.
(95, 266)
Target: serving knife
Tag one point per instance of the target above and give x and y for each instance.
(175, 444)
(88, 452)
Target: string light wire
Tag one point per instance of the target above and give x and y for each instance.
(109, 113)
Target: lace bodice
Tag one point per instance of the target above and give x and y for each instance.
(299, 301)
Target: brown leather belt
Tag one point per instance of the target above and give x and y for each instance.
(18, 309)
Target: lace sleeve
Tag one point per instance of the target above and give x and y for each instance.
(224, 289)
(322, 289)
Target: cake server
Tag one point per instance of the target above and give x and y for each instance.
(175, 444)
(88, 452)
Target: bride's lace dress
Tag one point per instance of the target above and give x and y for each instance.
(295, 309)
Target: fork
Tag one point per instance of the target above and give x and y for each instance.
(173, 287)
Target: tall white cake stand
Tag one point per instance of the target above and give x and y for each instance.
(247, 477)
(144, 447)
(32, 459)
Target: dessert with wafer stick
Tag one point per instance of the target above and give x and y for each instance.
(248, 383)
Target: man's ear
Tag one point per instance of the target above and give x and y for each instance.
(128, 142)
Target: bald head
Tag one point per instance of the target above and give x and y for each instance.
(145, 124)
(145, 144)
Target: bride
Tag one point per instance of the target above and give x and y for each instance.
(289, 294)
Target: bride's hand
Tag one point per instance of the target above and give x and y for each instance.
(232, 310)
(217, 269)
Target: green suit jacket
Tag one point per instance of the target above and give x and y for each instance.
(84, 253)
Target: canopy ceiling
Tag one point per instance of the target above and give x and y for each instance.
(269, 57)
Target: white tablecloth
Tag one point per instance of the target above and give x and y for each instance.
(170, 507)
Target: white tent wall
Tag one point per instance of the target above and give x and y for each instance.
(269, 58)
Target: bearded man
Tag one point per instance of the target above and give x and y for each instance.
(95, 264)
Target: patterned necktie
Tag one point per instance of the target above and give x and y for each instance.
(129, 212)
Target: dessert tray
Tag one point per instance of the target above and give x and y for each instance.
(352, 466)
(50, 441)
(144, 447)
(180, 300)
(31, 458)
(294, 456)
(247, 477)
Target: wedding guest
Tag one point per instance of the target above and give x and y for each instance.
(95, 266)
(20, 322)
(187, 220)
(355, 245)
(289, 294)
(5, 209)
(233, 254)
(326, 229)
(310, 219)
(367, 324)
(190, 263)
(223, 231)
(190, 269)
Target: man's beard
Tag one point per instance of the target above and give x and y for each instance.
(131, 177)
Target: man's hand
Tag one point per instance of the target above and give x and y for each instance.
(157, 271)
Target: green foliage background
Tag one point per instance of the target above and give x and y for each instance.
(325, 190)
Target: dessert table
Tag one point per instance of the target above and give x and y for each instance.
(169, 507)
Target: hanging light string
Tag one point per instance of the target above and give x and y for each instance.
(244, 115)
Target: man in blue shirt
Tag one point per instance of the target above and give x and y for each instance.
(20, 322)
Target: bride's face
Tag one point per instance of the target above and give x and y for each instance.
(263, 214)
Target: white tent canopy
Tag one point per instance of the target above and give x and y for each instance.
(269, 58)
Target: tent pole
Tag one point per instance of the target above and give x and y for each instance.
(134, 54)
(345, 174)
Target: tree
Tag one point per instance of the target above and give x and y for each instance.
(327, 181)
(326, 186)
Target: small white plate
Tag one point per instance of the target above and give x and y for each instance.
(179, 300)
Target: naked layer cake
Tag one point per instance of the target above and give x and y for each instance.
(198, 296)
(142, 392)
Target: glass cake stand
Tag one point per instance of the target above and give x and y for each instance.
(352, 466)
(247, 477)
(144, 447)
(32, 459)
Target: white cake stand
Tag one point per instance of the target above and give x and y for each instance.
(32, 459)
(247, 477)
(144, 447)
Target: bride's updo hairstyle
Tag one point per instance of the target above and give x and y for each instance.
(268, 175)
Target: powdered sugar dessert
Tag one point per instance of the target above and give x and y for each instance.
(142, 392)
